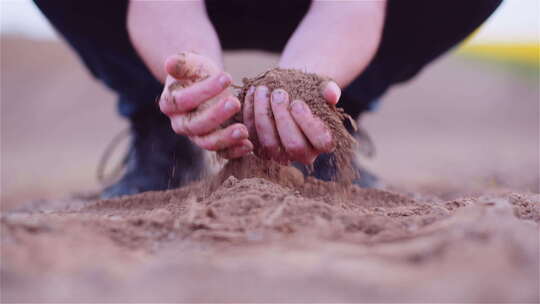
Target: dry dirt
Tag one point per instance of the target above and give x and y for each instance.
(308, 87)
(470, 237)
(254, 240)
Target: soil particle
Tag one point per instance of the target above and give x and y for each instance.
(526, 207)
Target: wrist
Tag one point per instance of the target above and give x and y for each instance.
(336, 40)
(159, 30)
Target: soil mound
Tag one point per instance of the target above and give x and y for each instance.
(271, 203)
(252, 239)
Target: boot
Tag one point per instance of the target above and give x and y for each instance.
(324, 167)
(158, 159)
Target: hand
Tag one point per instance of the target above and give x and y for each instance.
(286, 129)
(197, 101)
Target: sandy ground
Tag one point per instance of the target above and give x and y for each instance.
(458, 145)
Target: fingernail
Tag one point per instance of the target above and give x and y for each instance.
(278, 96)
(230, 105)
(237, 134)
(224, 80)
(298, 107)
(336, 89)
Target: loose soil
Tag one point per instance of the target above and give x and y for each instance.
(285, 239)
(308, 88)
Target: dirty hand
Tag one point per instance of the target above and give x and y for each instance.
(286, 129)
(197, 100)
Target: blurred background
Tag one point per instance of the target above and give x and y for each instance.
(468, 123)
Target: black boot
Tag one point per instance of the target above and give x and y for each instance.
(158, 159)
(324, 167)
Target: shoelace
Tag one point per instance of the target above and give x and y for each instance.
(108, 179)
(365, 143)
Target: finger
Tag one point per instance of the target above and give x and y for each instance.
(222, 138)
(248, 113)
(243, 149)
(190, 67)
(205, 121)
(312, 126)
(264, 122)
(186, 99)
(290, 134)
(331, 92)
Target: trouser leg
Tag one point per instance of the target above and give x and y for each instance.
(415, 33)
(97, 31)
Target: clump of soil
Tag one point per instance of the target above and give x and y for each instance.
(308, 87)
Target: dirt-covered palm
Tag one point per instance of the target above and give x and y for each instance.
(197, 99)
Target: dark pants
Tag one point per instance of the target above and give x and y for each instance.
(415, 33)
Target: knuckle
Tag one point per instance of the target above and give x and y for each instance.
(181, 101)
(163, 103)
(187, 126)
(177, 126)
(177, 97)
(167, 103)
(184, 126)
(191, 128)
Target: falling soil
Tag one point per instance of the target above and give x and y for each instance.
(308, 88)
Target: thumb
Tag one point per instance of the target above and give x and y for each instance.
(331, 92)
(190, 66)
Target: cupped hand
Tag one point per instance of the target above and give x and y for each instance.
(286, 129)
(197, 100)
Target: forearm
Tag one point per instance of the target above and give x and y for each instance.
(336, 39)
(161, 29)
